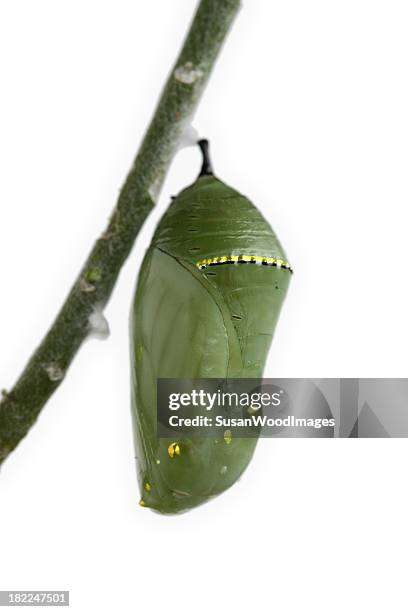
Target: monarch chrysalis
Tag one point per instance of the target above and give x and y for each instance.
(194, 316)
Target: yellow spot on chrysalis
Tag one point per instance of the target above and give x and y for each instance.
(252, 410)
(174, 449)
(158, 461)
(142, 502)
(227, 436)
(148, 486)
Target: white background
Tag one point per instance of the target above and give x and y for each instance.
(307, 114)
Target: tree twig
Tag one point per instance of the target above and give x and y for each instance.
(47, 367)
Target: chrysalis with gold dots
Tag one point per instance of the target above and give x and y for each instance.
(207, 301)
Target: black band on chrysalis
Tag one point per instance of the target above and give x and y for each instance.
(206, 168)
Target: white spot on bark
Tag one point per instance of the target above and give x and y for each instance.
(189, 137)
(55, 373)
(98, 325)
(85, 286)
(188, 73)
(154, 189)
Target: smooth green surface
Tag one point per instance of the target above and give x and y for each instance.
(191, 323)
(209, 219)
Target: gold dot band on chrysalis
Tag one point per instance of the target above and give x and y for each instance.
(244, 259)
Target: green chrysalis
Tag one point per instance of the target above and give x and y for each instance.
(195, 316)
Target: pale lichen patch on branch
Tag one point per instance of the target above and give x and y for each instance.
(155, 188)
(188, 73)
(85, 286)
(54, 371)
